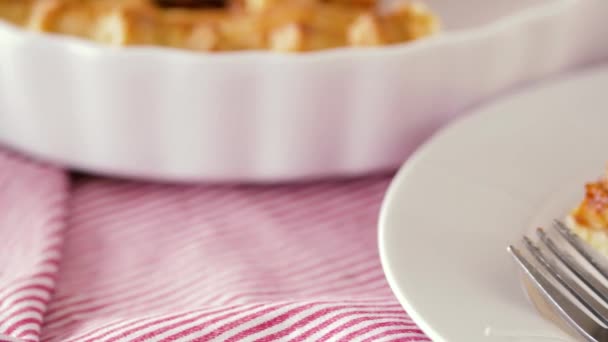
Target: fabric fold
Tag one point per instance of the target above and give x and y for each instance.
(32, 222)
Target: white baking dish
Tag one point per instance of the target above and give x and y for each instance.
(263, 117)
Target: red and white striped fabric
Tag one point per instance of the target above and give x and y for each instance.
(105, 260)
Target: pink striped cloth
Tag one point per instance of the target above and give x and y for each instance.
(94, 259)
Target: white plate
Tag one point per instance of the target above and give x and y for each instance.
(262, 117)
(476, 187)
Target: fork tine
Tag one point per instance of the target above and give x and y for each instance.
(582, 248)
(569, 311)
(584, 297)
(590, 280)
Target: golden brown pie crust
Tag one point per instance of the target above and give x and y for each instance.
(280, 25)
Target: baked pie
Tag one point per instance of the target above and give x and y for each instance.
(226, 25)
(589, 219)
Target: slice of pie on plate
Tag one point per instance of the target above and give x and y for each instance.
(589, 220)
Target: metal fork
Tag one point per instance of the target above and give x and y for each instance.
(586, 309)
